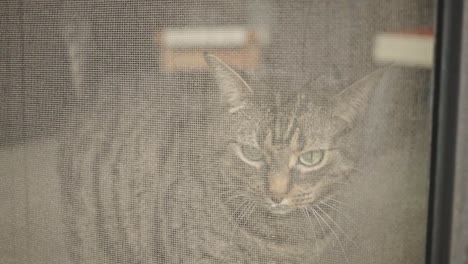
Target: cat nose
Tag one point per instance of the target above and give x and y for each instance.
(276, 199)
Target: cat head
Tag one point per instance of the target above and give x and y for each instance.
(285, 148)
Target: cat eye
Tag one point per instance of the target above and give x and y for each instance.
(251, 153)
(311, 158)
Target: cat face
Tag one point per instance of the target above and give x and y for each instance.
(287, 150)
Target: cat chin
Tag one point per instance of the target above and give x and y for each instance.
(280, 210)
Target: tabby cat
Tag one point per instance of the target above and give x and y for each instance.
(243, 170)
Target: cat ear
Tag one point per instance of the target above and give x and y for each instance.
(351, 104)
(234, 90)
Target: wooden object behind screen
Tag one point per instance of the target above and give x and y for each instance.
(182, 49)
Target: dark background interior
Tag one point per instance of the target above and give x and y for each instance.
(36, 84)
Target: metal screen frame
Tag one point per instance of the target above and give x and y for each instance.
(449, 144)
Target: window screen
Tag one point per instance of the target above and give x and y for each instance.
(222, 131)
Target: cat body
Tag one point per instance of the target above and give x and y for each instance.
(227, 169)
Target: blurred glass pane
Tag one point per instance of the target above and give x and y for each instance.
(204, 131)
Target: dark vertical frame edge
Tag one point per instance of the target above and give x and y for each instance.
(445, 111)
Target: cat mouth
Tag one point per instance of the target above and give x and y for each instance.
(281, 208)
(278, 208)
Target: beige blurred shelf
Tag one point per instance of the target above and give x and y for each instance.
(182, 48)
(404, 49)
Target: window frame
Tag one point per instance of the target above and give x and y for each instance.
(445, 171)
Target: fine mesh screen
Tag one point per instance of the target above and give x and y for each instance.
(222, 131)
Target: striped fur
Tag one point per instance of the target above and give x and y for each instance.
(160, 177)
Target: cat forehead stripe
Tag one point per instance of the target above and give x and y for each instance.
(285, 121)
(284, 126)
(293, 117)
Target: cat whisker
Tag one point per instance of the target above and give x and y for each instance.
(233, 188)
(246, 207)
(355, 169)
(231, 192)
(253, 207)
(306, 214)
(245, 211)
(340, 202)
(347, 216)
(236, 196)
(235, 219)
(241, 207)
(343, 206)
(339, 227)
(318, 221)
(333, 231)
